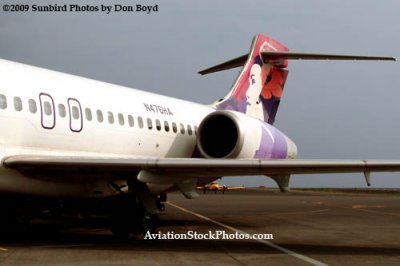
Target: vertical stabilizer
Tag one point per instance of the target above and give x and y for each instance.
(258, 88)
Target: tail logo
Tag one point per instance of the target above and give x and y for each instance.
(258, 89)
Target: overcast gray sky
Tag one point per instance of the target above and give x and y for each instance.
(339, 110)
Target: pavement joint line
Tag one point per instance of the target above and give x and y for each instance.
(62, 246)
(378, 212)
(265, 242)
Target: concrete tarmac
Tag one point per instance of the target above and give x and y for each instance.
(334, 228)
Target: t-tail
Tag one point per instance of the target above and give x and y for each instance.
(258, 88)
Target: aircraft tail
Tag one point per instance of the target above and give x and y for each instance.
(258, 88)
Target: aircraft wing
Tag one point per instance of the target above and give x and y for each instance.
(192, 167)
(184, 173)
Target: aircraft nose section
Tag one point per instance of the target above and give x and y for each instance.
(291, 149)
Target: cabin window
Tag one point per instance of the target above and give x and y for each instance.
(61, 110)
(110, 117)
(88, 114)
(121, 119)
(166, 126)
(99, 115)
(17, 104)
(158, 125)
(189, 130)
(32, 106)
(149, 124)
(140, 122)
(3, 101)
(182, 129)
(75, 112)
(130, 121)
(47, 108)
(174, 127)
(195, 130)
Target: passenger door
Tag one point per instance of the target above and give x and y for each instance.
(48, 118)
(75, 115)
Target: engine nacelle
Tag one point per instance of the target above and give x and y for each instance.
(230, 134)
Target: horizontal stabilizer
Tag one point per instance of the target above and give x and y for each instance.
(314, 56)
(282, 55)
(237, 62)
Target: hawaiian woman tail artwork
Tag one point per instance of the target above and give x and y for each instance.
(258, 89)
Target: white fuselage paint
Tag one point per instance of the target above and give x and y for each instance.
(47, 132)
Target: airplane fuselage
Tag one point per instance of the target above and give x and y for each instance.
(46, 112)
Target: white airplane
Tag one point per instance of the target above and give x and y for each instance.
(70, 139)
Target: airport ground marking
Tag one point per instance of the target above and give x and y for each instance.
(265, 242)
(378, 212)
(3, 249)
